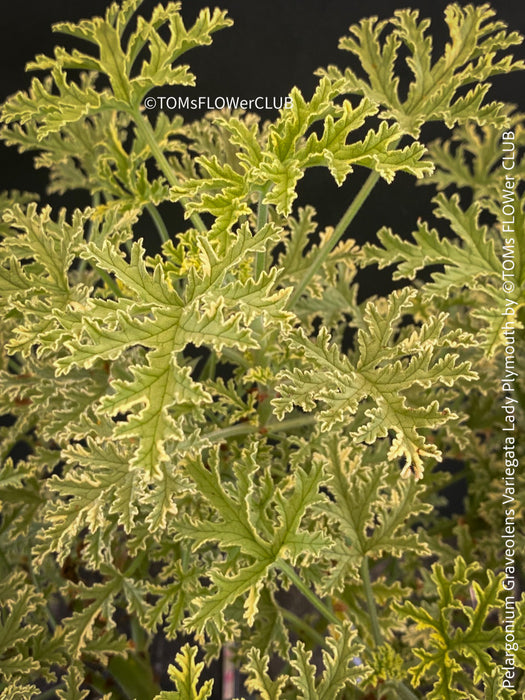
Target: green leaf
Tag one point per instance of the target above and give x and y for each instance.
(470, 261)
(382, 375)
(40, 284)
(58, 102)
(234, 530)
(173, 599)
(73, 679)
(94, 622)
(474, 256)
(340, 663)
(472, 158)
(186, 678)
(258, 679)
(451, 647)
(372, 507)
(15, 628)
(304, 680)
(154, 316)
(471, 56)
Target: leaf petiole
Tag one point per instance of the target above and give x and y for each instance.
(308, 594)
(337, 234)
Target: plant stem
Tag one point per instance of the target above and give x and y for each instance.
(235, 357)
(402, 690)
(308, 594)
(50, 616)
(52, 692)
(144, 127)
(240, 429)
(338, 232)
(159, 222)
(209, 369)
(95, 202)
(273, 427)
(134, 565)
(262, 217)
(109, 281)
(370, 602)
(145, 130)
(290, 424)
(3, 560)
(303, 626)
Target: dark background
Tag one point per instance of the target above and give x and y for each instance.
(272, 46)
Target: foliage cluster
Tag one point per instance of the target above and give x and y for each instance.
(194, 433)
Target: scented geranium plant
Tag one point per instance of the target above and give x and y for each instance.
(217, 440)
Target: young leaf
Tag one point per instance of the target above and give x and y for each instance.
(258, 679)
(186, 678)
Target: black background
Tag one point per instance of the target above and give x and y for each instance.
(272, 46)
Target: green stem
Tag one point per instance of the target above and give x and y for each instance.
(262, 218)
(210, 367)
(233, 431)
(3, 560)
(52, 692)
(290, 424)
(50, 617)
(402, 690)
(308, 594)
(134, 565)
(274, 427)
(95, 202)
(159, 222)
(145, 130)
(109, 281)
(303, 627)
(235, 357)
(338, 232)
(370, 602)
